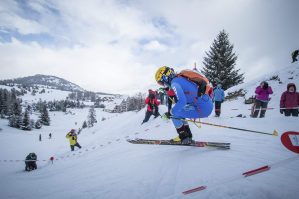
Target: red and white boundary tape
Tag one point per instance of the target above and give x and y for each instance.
(79, 152)
(64, 157)
(244, 175)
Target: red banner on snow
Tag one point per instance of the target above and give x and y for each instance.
(194, 190)
(256, 171)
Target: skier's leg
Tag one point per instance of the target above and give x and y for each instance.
(295, 112)
(26, 166)
(188, 130)
(264, 107)
(31, 166)
(252, 109)
(169, 104)
(287, 112)
(34, 165)
(184, 136)
(217, 108)
(204, 106)
(294, 57)
(156, 111)
(72, 147)
(257, 107)
(147, 116)
(78, 145)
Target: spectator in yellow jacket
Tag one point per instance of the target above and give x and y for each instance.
(72, 136)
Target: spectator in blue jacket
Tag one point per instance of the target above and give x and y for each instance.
(218, 99)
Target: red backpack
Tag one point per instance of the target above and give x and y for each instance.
(200, 80)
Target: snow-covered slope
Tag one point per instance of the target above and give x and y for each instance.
(109, 167)
(47, 94)
(277, 80)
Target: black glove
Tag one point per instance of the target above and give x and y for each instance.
(281, 111)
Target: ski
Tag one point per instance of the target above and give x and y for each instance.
(220, 145)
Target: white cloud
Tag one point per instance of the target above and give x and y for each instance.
(155, 46)
(118, 46)
(10, 20)
(103, 68)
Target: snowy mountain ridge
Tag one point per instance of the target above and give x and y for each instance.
(45, 80)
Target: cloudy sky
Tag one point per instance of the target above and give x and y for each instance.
(117, 45)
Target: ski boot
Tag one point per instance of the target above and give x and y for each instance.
(175, 140)
(185, 134)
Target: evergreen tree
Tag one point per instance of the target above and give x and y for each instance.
(12, 121)
(15, 114)
(44, 117)
(91, 117)
(84, 125)
(136, 102)
(219, 65)
(1, 101)
(7, 102)
(26, 121)
(38, 124)
(19, 120)
(2, 115)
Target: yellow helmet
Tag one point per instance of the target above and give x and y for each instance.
(164, 75)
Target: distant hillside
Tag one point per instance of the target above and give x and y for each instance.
(46, 80)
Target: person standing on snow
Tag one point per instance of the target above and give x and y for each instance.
(192, 102)
(72, 136)
(218, 99)
(289, 101)
(262, 98)
(30, 162)
(161, 95)
(152, 106)
(294, 56)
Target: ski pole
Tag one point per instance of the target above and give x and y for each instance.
(275, 133)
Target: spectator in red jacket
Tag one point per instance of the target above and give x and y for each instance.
(152, 106)
(289, 101)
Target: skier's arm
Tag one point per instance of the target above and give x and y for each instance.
(181, 98)
(68, 135)
(223, 95)
(147, 100)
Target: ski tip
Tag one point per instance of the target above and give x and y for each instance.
(275, 133)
